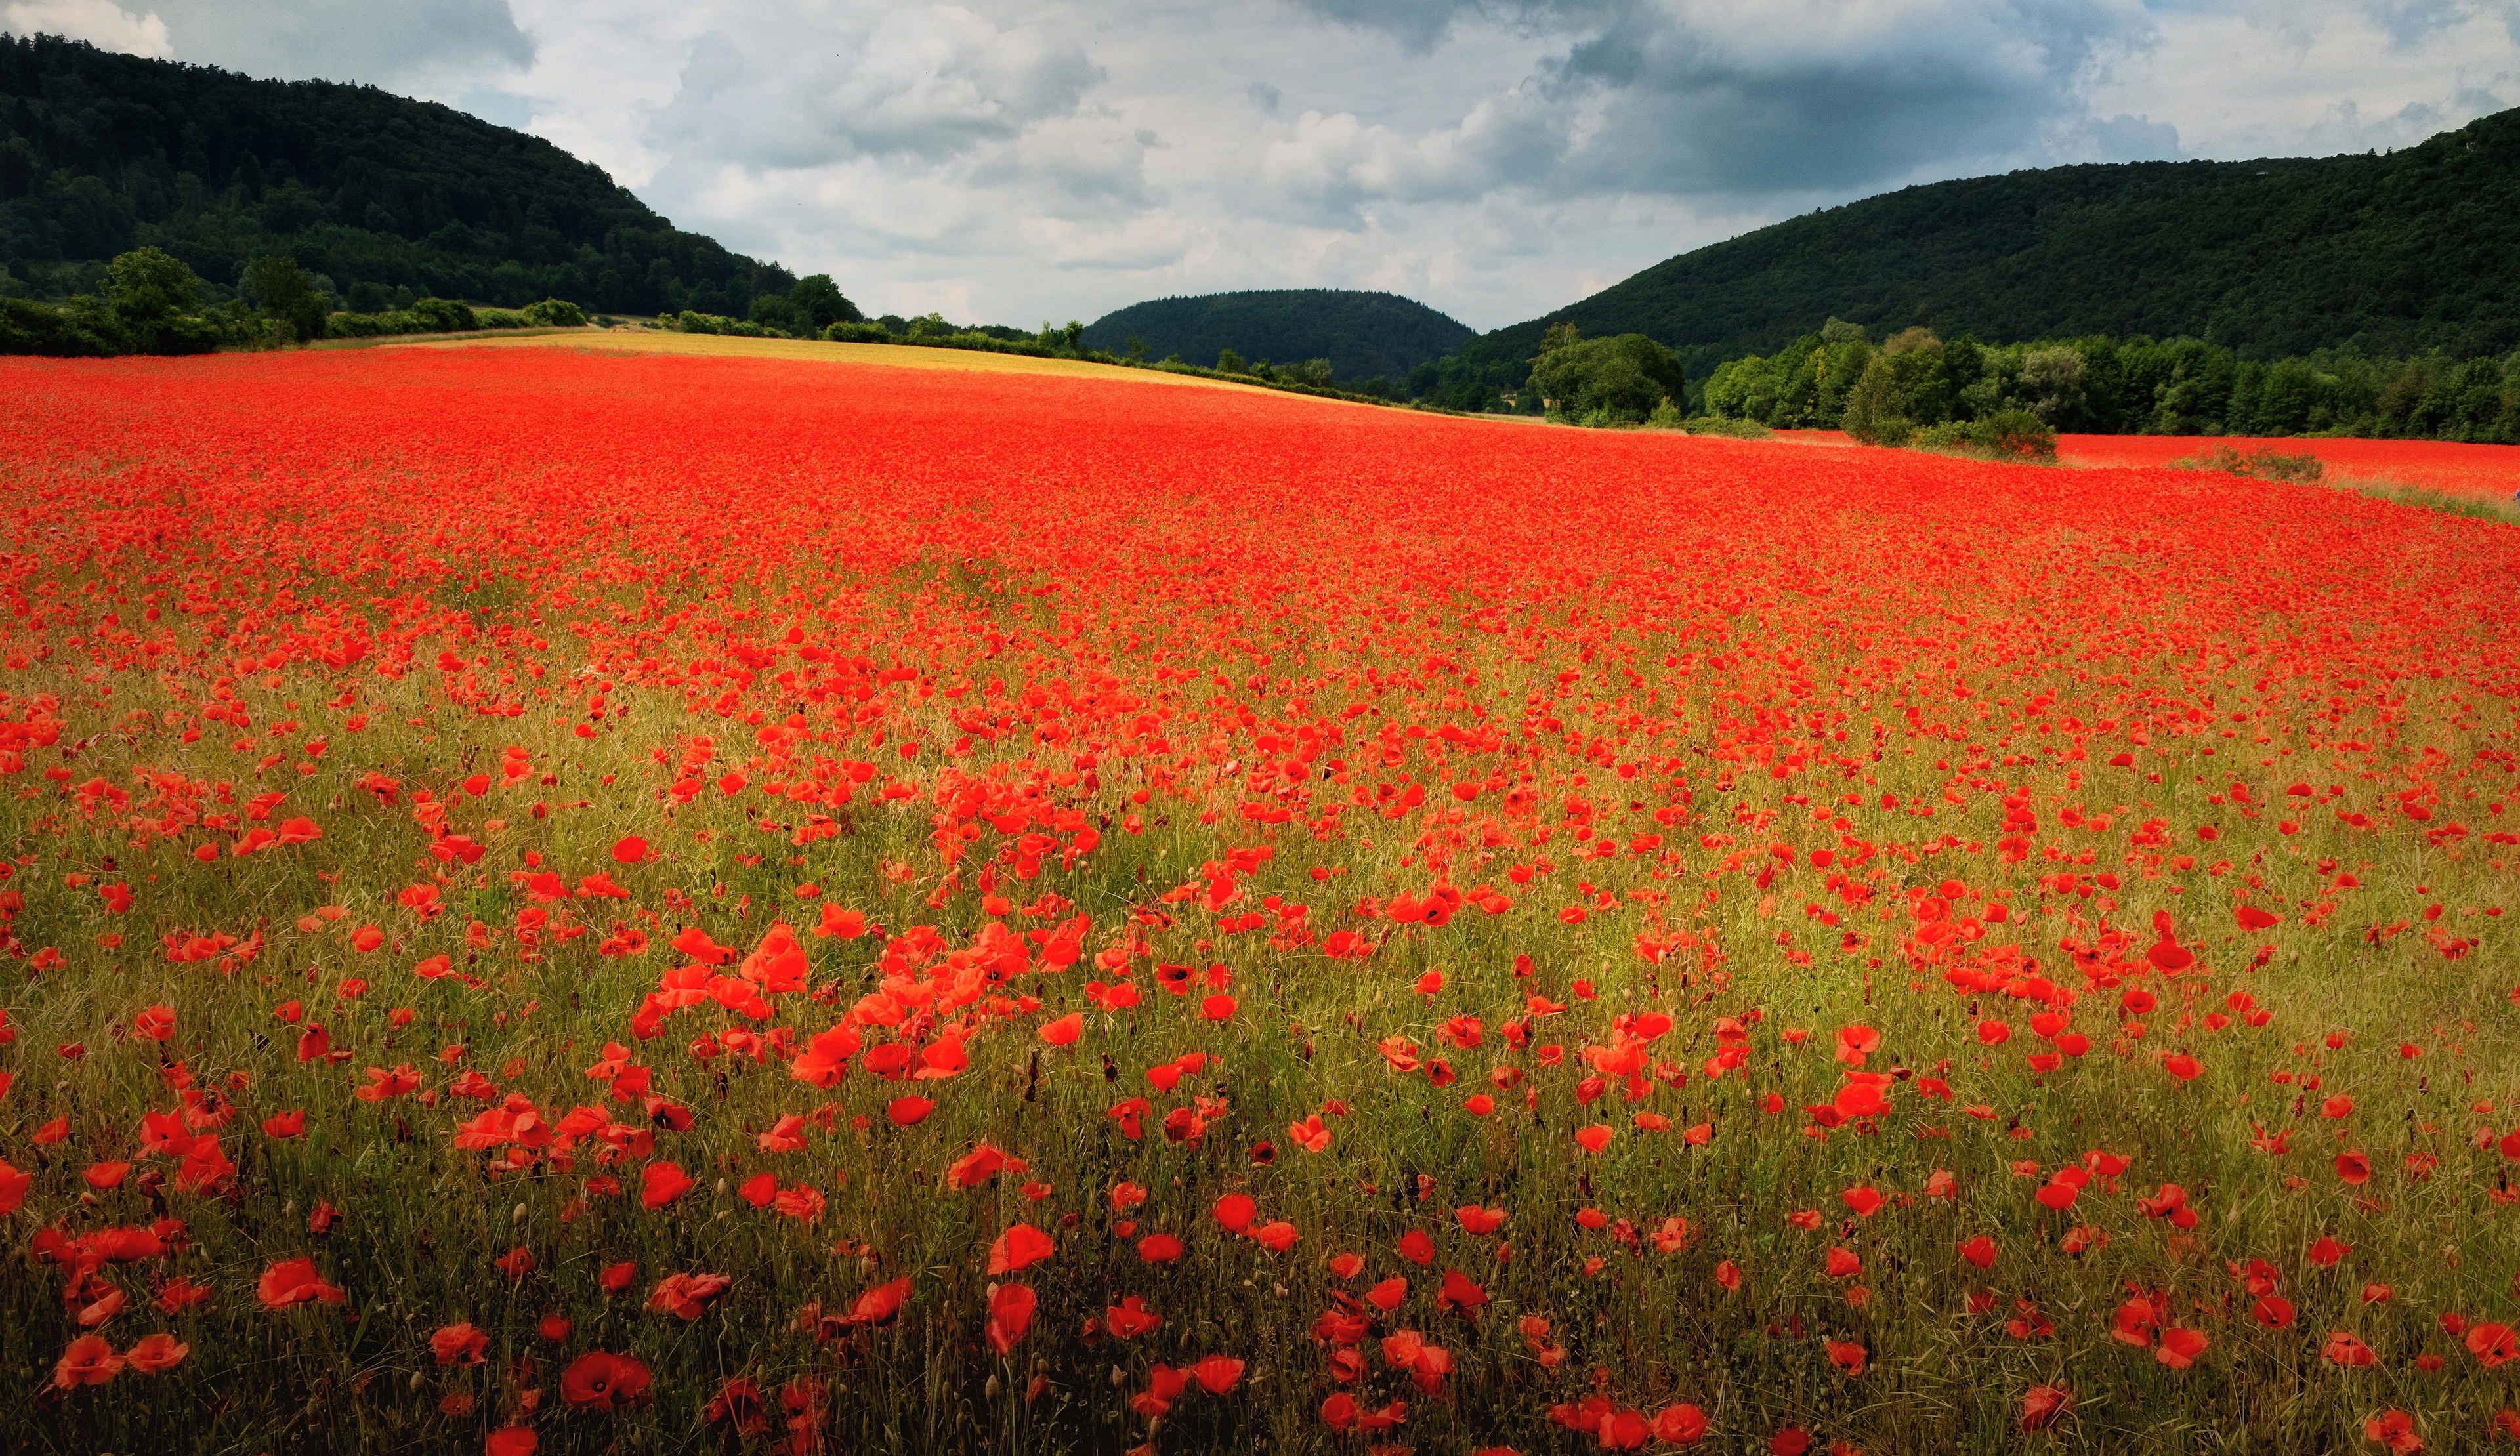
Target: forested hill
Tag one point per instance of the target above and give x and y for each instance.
(388, 198)
(1364, 335)
(2415, 251)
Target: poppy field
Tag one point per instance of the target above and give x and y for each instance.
(573, 902)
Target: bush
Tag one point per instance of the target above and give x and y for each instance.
(2261, 464)
(446, 316)
(2014, 434)
(443, 316)
(847, 333)
(27, 327)
(2009, 434)
(690, 322)
(150, 306)
(1725, 425)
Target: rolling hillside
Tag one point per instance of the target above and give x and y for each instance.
(1364, 335)
(386, 197)
(2414, 252)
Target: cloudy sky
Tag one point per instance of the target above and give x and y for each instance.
(1038, 159)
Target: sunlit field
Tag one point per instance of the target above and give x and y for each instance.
(588, 901)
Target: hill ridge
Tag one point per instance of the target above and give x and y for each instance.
(102, 152)
(2412, 250)
(1365, 333)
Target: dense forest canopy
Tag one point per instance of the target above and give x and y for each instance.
(2389, 257)
(382, 198)
(1364, 335)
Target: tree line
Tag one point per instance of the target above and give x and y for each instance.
(150, 302)
(1914, 380)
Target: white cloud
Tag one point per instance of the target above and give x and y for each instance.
(1015, 159)
(100, 22)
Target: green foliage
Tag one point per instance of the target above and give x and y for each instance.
(1609, 381)
(1229, 362)
(2103, 385)
(816, 303)
(150, 305)
(1872, 407)
(2264, 465)
(2009, 434)
(1361, 333)
(31, 328)
(2395, 255)
(556, 312)
(288, 297)
(688, 321)
(1718, 424)
(102, 154)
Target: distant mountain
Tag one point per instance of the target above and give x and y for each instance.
(1364, 335)
(389, 197)
(2414, 252)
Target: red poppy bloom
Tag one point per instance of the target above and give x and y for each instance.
(295, 1281)
(601, 1380)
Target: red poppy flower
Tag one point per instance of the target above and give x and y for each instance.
(89, 1361)
(295, 1281)
(602, 1380)
(1009, 1316)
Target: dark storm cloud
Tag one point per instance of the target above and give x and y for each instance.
(1692, 99)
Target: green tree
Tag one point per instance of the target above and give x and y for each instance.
(1073, 333)
(1620, 379)
(1920, 388)
(818, 303)
(771, 311)
(2051, 380)
(148, 285)
(1872, 408)
(1847, 358)
(1230, 362)
(288, 297)
(150, 298)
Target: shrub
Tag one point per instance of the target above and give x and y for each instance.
(2262, 465)
(557, 313)
(848, 333)
(1727, 426)
(27, 327)
(2009, 434)
(2014, 434)
(443, 316)
(690, 322)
